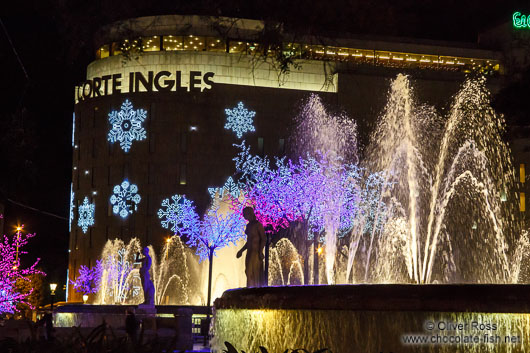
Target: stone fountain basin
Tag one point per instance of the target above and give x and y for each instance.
(376, 318)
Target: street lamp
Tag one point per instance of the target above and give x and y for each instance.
(53, 286)
(19, 229)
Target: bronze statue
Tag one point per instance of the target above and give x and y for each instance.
(255, 243)
(147, 284)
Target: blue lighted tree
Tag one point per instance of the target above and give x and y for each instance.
(127, 125)
(216, 231)
(239, 120)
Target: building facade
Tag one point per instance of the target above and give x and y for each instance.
(152, 118)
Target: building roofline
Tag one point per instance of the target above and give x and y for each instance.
(248, 29)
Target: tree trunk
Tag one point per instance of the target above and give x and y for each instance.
(267, 246)
(210, 259)
(316, 256)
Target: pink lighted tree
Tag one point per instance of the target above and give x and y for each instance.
(89, 279)
(11, 271)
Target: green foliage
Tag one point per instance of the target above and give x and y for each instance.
(231, 349)
(36, 281)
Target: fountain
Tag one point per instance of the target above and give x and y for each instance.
(442, 245)
(440, 242)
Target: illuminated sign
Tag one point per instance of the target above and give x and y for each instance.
(521, 21)
(163, 81)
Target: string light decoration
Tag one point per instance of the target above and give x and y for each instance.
(72, 206)
(89, 279)
(127, 125)
(11, 272)
(229, 188)
(86, 215)
(125, 199)
(179, 215)
(240, 120)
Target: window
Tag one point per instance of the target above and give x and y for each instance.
(102, 52)
(75, 272)
(214, 44)
(281, 147)
(183, 142)
(260, 146)
(192, 42)
(522, 174)
(171, 43)
(183, 174)
(151, 43)
(522, 205)
(115, 48)
(152, 142)
(94, 153)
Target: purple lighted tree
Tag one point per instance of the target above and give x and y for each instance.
(322, 192)
(11, 271)
(89, 279)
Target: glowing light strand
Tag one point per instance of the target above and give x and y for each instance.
(72, 206)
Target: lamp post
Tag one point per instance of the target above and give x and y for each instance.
(53, 286)
(19, 229)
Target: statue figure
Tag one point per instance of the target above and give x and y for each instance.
(254, 246)
(147, 284)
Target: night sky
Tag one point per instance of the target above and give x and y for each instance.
(53, 40)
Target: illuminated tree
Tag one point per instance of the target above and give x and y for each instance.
(11, 272)
(215, 231)
(89, 279)
(328, 197)
(314, 190)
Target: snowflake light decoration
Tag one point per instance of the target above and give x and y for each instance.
(230, 187)
(72, 206)
(239, 120)
(86, 215)
(127, 125)
(125, 199)
(179, 215)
